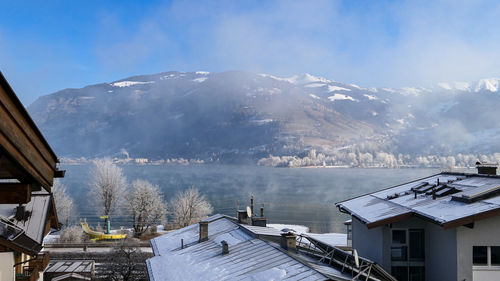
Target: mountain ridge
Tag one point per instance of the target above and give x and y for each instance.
(239, 115)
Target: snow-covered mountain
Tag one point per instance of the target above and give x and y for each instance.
(241, 115)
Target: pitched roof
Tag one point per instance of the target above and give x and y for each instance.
(27, 234)
(249, 258)
(71, 266)
(447, 199)
(23, 149)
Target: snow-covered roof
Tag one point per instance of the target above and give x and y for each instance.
(27, 233)
(249, 258)
(448, 199)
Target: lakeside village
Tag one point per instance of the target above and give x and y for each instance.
(347, 157)
(441, 227)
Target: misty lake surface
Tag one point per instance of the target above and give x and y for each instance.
(304, 196)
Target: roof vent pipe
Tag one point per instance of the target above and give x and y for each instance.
(225, 247)
(251, 204)
(203, 231)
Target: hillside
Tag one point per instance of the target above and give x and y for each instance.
(240, 116)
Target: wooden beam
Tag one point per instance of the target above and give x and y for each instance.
(24, 162)
(10, 101)
(15, 193)
(59, 173)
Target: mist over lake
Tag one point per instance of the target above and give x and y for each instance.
(304, 196)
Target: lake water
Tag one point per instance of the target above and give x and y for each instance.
(303, 196)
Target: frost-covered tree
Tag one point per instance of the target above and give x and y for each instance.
(108, 185)
(189, 207)
(72, 234)
(63, 202)
(146, 206)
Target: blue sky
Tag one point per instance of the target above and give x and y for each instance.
(47, 46)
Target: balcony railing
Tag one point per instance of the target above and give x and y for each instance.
(41, 261)
(30, 273)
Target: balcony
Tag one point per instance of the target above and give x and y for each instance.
(30, 273)
(41, 261)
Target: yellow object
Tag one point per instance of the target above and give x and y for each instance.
(100, 235)
(104, 217)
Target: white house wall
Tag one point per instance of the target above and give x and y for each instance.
(368, 242)
(485, 233)
(7, 271)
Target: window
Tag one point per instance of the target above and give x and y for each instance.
(417, 244)
(399, 236)
(400, 273)
(480, 255)
(417, 273)
(486, 256)
(399, 253)
(495, 255)
(408, 254)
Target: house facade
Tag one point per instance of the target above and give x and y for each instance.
(28, 167)
(443, 227)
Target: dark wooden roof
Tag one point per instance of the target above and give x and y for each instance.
(25, 155)
(26, 234)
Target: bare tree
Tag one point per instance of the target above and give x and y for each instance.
(145, 204)
(128, 263)
(189, 207)
(108, 185)
(64, 203)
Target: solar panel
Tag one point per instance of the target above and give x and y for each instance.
(478, 193)
(419, 186)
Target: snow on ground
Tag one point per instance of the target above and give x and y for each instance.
(200, 79)
(334, 239)
(341, 97)
(299, 79)
(314, 96)
(336, 88)
(293, 227)
(370, 97)
(51, 238)
(490, 84)
(261, 122)
(315, 85)
(122, 84)
(202, 72)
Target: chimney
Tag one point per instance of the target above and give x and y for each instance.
(486, 169)
(288, 241)
(259, 221)
(203, 231)
(225, 247)
(20, 213)
(242, 217)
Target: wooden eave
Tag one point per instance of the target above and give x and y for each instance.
(471, 219)
(21, 142)
(52, 215)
